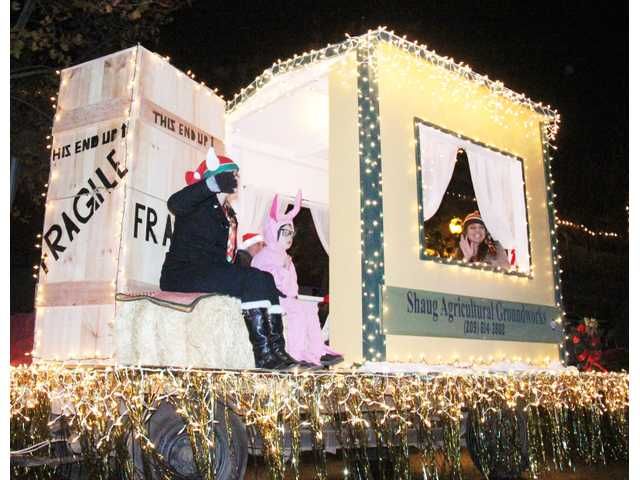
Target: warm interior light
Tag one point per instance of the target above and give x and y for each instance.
(455, 226)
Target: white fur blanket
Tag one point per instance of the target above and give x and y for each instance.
(212, 335)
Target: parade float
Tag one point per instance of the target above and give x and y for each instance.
(441, 351)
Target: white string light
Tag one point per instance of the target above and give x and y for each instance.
(497, 90)
(583, 228)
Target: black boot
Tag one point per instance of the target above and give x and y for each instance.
(256, 320)
(275, 330)
(329, 359)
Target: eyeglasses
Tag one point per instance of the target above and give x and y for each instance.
(287, 232)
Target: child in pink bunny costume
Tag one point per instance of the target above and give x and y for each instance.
(303, 334)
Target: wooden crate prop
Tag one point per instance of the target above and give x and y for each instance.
(127, 128)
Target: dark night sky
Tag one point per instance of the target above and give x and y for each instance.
(572, 55)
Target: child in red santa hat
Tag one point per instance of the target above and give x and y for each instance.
(251, 245)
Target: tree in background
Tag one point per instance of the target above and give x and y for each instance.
(47, 36)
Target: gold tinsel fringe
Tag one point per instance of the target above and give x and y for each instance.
(538, 421)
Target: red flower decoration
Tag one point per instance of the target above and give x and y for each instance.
(582, 357)
(576, 339)
(581, 328)
(197, 175)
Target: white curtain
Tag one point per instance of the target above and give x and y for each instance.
(497, 182)
(438, 152)
(283, 204)
(320, 215)
(251, 208)
(499, 188)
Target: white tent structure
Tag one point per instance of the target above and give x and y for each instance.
(280, 139)
(340, 124)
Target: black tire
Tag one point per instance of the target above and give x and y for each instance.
(165, 431)
(380, 462)
(60, 448)
(485, 438)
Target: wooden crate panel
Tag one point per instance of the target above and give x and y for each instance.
(159, 161)
(77, 251)
(147, 230)
(174, 91)
(95, 91)
(90, 157)
(127, 128)
(74, 333)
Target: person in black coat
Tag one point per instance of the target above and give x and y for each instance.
(202, 253)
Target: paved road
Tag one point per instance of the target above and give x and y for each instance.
(335, 471)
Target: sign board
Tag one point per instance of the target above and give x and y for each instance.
(408, 311)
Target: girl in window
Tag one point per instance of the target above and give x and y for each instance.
(477, 245)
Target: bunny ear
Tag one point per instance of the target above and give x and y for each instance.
(213, 162)
(273, 213)
(296, 206)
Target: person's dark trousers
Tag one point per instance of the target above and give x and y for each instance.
(246, 283)
(257, 291)
(243, 258)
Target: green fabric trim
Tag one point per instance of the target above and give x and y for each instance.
(227, 167)
(370, 159)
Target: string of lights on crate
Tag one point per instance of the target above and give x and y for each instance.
(39, 245)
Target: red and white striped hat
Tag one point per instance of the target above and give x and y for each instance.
(249, 239)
